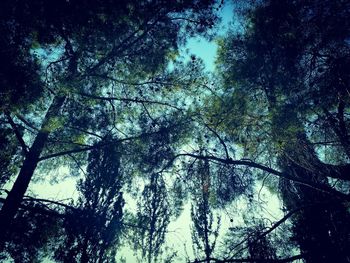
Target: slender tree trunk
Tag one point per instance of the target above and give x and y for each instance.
(15, 196)
(205, 194)
(153, 219)
(207, 246)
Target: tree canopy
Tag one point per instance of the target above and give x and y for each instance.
(253, 157)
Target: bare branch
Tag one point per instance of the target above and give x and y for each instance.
(85, 131)
(40, 200)
(220, 139)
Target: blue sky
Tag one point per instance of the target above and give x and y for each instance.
(207, 50)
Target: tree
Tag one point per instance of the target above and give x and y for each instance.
(89, 46)
(92, 230)
(153, 217)
(98, 88)
(274, 64)
(204, 233)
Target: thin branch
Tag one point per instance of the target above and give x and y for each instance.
(220, 139)
(145, 28)
(135, 100)
(40, 200)
(120, 81)
(84, 131)
(85, 149)
(77, 163)
(17, 133)
(39, 210)
(22, 119)
(53, 140)
(274, 226)
(148, 113)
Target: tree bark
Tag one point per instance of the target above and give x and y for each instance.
(15, 196)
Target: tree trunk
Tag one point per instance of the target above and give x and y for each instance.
(15, 196)
(322, 232)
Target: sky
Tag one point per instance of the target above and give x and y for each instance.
(207, 50)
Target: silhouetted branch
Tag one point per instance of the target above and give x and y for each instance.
(135, 100)
(276, 225)
(120, 81)
(26, 122)
(17, 133)
(220, 139)
(96, 146)
(249, 163)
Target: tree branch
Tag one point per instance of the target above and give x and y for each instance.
(127, 42)
(277, 224)
(220, 139)
(40, 200)
(17, 133)
(120, 81)
(243, 162)
(135, 100)
(96, 146)
(253, 260)
(22, 119)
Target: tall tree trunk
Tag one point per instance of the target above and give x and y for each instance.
(15, 196)
(322, 232)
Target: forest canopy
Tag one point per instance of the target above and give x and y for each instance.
(169, 161)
